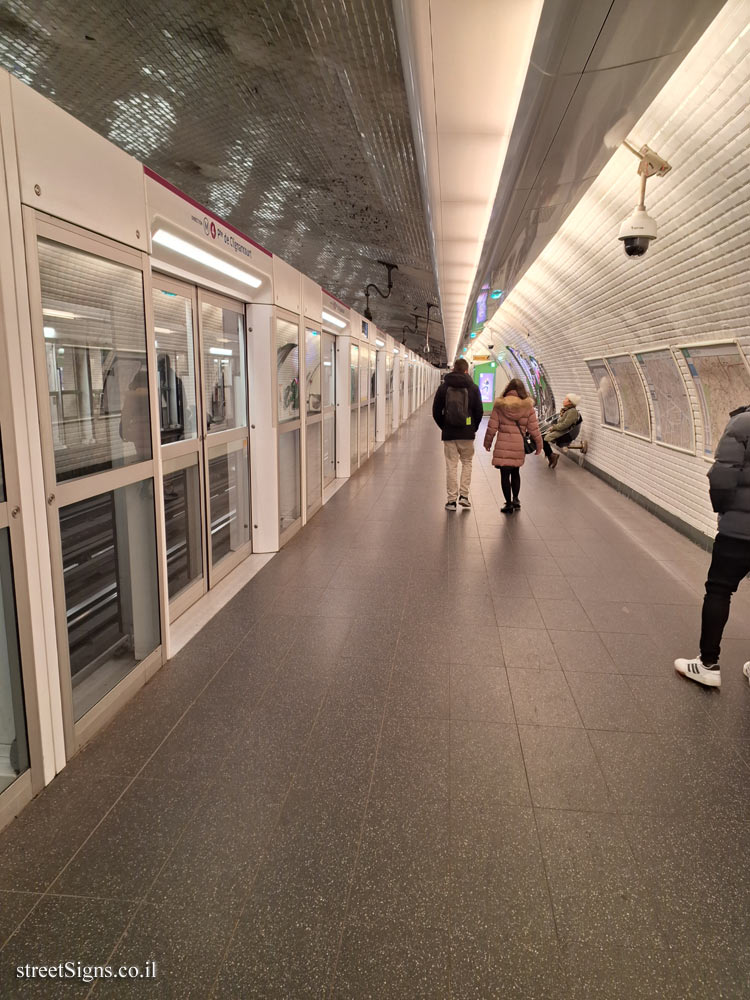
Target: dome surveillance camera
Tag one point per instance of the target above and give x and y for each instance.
(636, 232)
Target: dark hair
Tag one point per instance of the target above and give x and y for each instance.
(461, 365)
(517, 386)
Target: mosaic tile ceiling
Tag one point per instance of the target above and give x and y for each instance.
(287, 117)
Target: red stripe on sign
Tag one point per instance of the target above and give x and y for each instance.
(202, 208)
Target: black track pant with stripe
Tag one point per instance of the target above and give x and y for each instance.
(730, 563)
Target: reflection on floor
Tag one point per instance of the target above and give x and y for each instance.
(420, 755)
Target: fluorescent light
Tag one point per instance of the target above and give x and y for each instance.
(60, 314)
(165, 239)
(162, 329)
(224, 351)
(395, 350)
(340, 323)
(379, 343)
(61, 350)
(50, 332)
(327, 364)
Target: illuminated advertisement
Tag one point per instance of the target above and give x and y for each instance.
(487, 386)
(481, 308)
(605, 388)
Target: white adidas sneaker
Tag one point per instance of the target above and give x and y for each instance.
(746, 670)
(695, 671)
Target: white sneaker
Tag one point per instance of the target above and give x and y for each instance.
(695, 671)
(746, 670)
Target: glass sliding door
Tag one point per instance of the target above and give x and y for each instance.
(183, 515)
(229, 500)
(364, 397)
(388, 394)
(175, 307)
(199, 341)
(225, 430)
(328, 392)
(289, 423)
(94, 377)
(371, 408)
(354, 405)
(313, 420)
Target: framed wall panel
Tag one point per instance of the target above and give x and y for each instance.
(721, 377)
(636, 416)
(673, 414)
(605, 388)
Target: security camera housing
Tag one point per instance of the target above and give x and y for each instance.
(636, 232)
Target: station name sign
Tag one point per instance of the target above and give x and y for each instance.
(217, 234)
(334, 306)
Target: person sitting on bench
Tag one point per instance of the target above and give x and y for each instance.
(564, 428)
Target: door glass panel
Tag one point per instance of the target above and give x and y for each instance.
(364, 377)
(287, 370)
(14, 751)
(184, 538)
(329, 448)
(312, 368)
(229, 485)
(314, 464)
(363, 431)
(173, 330)
(371, 417)
(111, 592)
(2, 474)
(329, 371)
(289, 479)
(95, 349)
(354, 364)
(223, 349)
(354, 442)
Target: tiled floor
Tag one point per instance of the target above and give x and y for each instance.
(420, 755)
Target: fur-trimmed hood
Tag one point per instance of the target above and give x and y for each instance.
(514, 407)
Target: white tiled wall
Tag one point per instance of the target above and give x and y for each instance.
(584, 298)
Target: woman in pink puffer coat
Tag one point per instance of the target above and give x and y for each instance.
(512, 415)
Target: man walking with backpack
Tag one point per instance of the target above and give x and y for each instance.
(457, 410)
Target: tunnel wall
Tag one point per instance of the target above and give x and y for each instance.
(583, 298)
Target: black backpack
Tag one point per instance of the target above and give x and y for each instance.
(456, 408)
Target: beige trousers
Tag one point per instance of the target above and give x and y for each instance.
(455, 450)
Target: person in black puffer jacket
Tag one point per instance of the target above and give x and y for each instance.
(457, 410)
(729, 488)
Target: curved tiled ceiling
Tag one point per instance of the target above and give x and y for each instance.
(595, 67)
(288, 118)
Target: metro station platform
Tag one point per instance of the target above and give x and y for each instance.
(422, 754)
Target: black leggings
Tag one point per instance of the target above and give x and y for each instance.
(510, 480)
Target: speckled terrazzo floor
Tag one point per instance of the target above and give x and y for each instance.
(420, 755)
